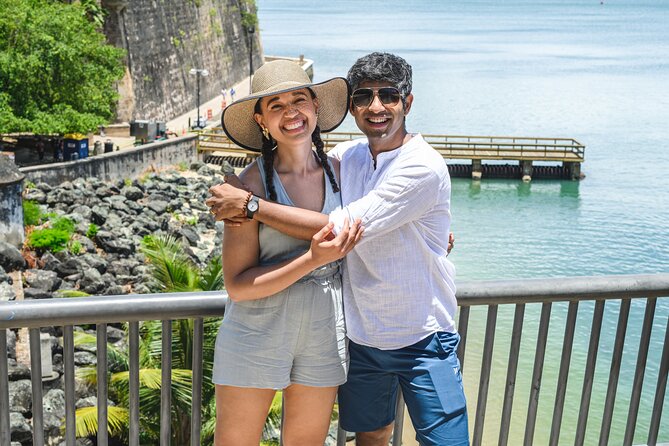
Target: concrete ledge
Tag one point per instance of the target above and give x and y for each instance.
(127, 163)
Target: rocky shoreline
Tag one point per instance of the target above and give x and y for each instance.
(108, 263)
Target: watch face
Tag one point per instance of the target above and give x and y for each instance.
(252, 206)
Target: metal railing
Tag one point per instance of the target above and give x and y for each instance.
(449, 146)
(573, 292)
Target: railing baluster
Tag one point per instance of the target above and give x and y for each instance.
(660, 390)
(614, 373)
(567, 345)
(133, 384)
(70, 396)
(512, 368)
(341, 436)
(537, 372)
(5, 439)
(463, 321)
(398, 426)
(644, 342)
(196, 416)
(101, 333)
(484, 380)
(36, 383)
(593, 349)
(166, 384)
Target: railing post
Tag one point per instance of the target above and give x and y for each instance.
(5, 438)
(133, 384)
(70, 396)
(166, 384)
(101, 332)
(196, 416)
(36, 383)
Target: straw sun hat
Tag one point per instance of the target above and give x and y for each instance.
(280, 76)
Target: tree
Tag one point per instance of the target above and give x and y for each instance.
(57, 74)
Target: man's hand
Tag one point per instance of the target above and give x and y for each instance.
(326, 247)
(227, 200)
(451, 243)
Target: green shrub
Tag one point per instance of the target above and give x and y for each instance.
(92, 230)
(63, 224)
(32, 214)
(50, 239)
(75, 248)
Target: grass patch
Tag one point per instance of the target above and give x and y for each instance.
(32, 214)
(50, 239)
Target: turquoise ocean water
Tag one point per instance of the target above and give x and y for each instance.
(595, 72)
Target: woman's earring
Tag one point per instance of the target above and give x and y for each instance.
(265, 132)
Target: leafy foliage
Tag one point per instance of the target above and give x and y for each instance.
(49, 239)
(57, 74)
(32, 214)
(92, 230)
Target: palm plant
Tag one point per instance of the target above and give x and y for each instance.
(172, 271)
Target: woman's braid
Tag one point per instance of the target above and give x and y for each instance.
(320, 151)
(268, 165)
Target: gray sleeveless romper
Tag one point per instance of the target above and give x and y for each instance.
(296, 336)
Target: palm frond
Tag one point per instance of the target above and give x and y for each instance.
(87, 421)
(116, 358)
(211, 279)
(171, 268)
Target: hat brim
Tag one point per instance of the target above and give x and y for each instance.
(333, 99)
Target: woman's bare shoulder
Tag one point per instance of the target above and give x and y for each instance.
(250, 176)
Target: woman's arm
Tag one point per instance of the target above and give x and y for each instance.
(245, 279)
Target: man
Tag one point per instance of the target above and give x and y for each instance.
(399, 292)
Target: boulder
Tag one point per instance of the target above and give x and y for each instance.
(17, 371)
(91, 281)
(54, 403)
(132, 193)
(20, 396)
(10, 257)
(20, 430)
(158, 206)
(36, 293)
(6, 292)
(4, 277)
(44, 279)
(109, 243)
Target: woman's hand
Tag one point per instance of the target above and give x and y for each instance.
(327, 247)
(227, 200)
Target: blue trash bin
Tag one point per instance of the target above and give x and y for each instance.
(75, 149)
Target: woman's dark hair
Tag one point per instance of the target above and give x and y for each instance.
(268, 146)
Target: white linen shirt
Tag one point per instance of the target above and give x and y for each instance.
(398, 285)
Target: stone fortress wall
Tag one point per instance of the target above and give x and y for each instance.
(164, 39)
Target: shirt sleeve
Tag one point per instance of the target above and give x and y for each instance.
(403, 196)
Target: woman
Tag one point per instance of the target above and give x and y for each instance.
(284, 327)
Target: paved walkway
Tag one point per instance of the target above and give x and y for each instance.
(179, 125)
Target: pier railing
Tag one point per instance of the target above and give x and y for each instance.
(611, 294)
(449, 146)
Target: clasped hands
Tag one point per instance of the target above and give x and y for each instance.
(228, 200)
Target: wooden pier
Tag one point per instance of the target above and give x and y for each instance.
(558, 157)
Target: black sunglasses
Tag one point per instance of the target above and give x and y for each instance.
(363, 97)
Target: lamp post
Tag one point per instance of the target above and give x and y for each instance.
(251, 30)
(198, 72)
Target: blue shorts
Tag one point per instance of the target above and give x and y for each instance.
(429, 373)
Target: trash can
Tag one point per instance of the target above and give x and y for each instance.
(109, 146)
(98, 149)
(75, 149)
(143, 130)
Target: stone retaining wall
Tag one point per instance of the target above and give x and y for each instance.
(127, 163)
